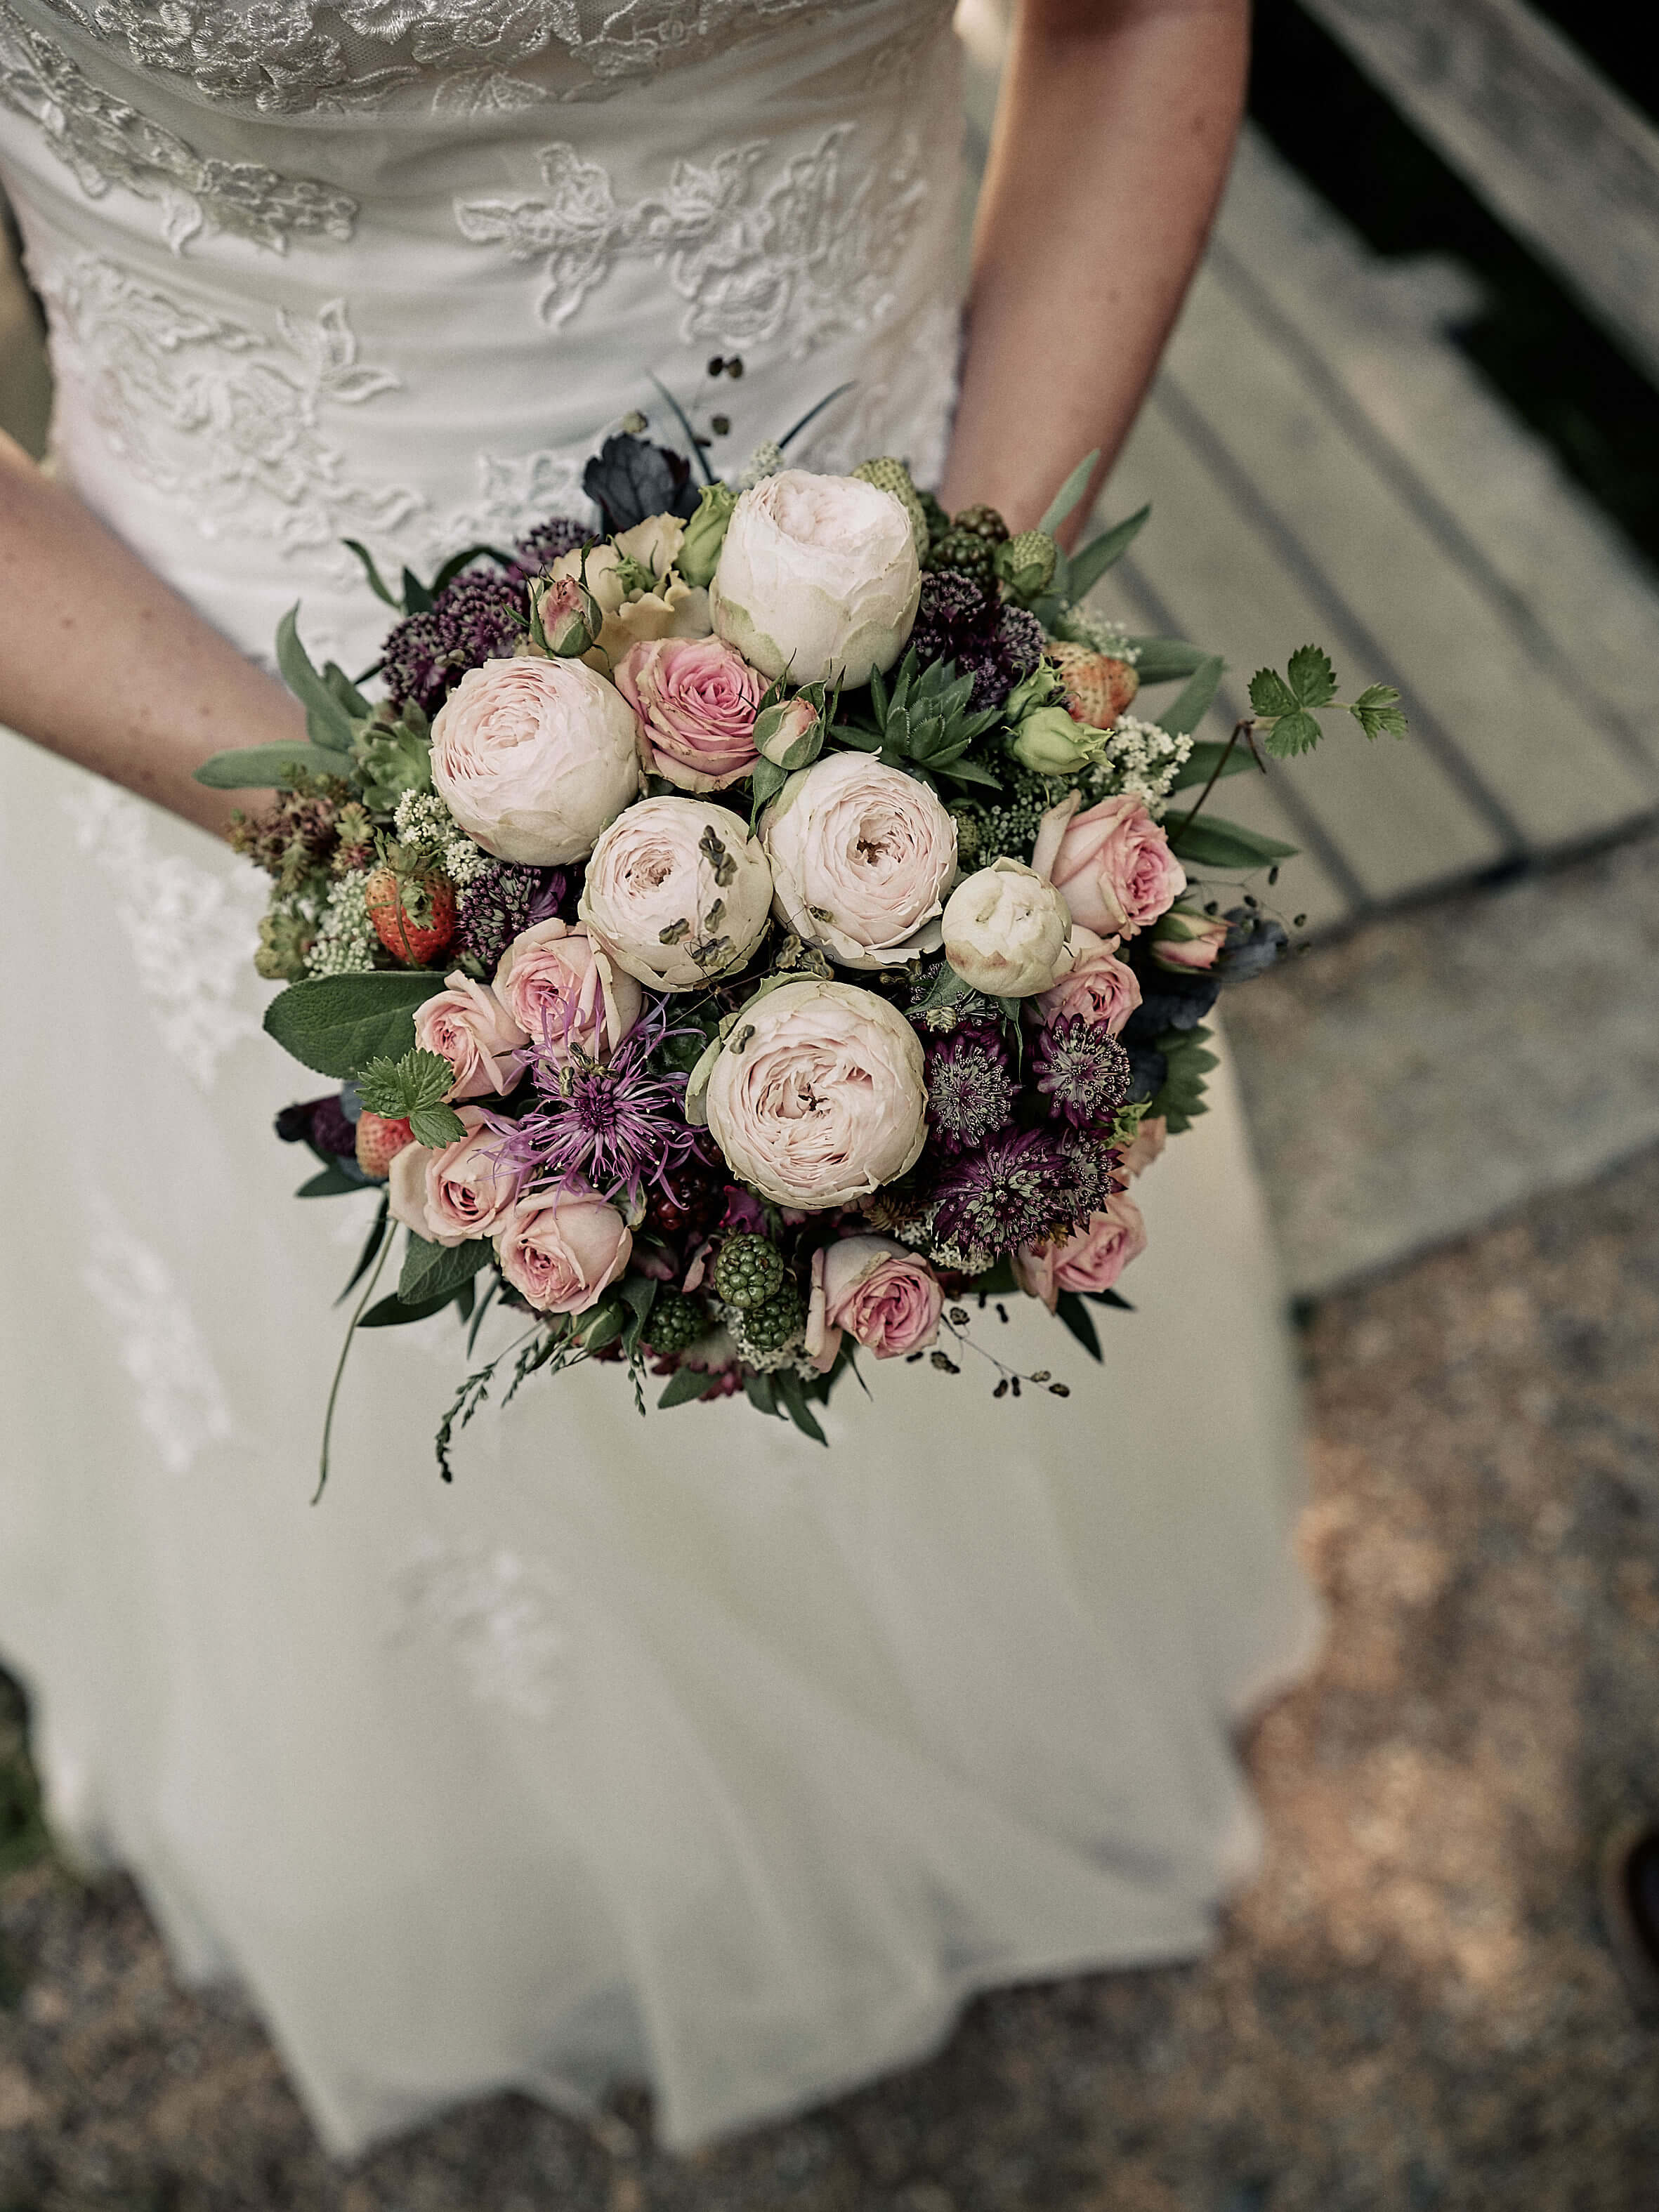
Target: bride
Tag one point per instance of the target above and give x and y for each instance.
(677, 1749)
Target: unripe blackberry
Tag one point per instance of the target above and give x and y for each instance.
(965, 551)
(768, 1327)
(675, 1321)
(1027, 563)
(981, 521)
(938, 523)
(889, 475)
(748, 1272)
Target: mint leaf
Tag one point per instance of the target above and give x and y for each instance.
(1312, 678)
(338, 1024)
(1378, 712)
(1270, 694)
(1290, 735)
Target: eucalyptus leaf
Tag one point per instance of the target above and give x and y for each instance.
(758, 1389)
(394, 1313)
(326, 719)
(1191, 704)
(331, 1183)
(335, 1024)
(684, 1385)
(1205, 758)
(345, 691)
(1089, 565)
(789, 1390)
(266, 768)
(1165, 659)
(1210, 842)
(1068, 494)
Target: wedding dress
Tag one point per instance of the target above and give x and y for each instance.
(677, 1749)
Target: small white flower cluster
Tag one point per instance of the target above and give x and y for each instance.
(346, 943)
(423, 820)
(1141, 759)
(765, 461)
(1081, 625)
(790, 1357)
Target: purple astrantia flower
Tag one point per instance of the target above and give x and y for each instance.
(618, 1123)
(548, 541)
(478, 616)
(970, 1092)
(1023, 1187)
(1083, 1072)
(959, 619)
(502, 900)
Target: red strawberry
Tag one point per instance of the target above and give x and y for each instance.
(413, 915)
(380, 1140)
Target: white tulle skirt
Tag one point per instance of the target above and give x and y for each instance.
(677, 1748)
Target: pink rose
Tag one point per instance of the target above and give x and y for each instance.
(1112, 862)
(1150, 1139)
(1186, 940)
(562, 1248)
(561, 987)
(1098, 986)
(887, 1299)
(458, 1191)
(1092, 1258)
(467, 1025)
(696, 699)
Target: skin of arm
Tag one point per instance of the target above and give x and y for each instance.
(1113, 132)
(101, 662)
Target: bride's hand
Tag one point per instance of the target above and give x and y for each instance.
(100, 662)
(1113, 134)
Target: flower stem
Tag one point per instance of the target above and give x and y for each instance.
(351, 1330)
(1239, 731)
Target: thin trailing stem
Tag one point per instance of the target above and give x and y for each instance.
(1240, 730)
(345, 1350)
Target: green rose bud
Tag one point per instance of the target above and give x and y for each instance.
(705, 534)
(789, 734)
(1041, 687)
(1050, 743)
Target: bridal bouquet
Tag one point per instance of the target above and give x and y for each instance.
(750, 932)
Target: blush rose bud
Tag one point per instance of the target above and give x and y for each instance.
(565, 616)
(1187, 940)
(790, 735)
(1007, 931)
(705, 534)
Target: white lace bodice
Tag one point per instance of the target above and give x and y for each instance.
(387, 269)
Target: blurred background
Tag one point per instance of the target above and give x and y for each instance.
(1409, 412)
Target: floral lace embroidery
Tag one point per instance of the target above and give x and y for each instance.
(809, 256)
(276, 56)
(499, 1613)
(107, 142)
(205, 409)
(182, 1407)
(192, 930)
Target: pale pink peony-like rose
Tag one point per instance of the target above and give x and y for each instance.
(885, 1298)
(1092, 1258)
(1150, 1139)
(1112, 863)
(817, 1099)
(678, 893)
(561, 987)
(467, 1024)
(862, 856)
(696, 699)
(456, 1191)
(1098, 986)
(533, 757)
(563, 1248)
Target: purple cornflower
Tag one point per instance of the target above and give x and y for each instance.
(1085, 1073)
(617, 1124)
(1023, 1187)
(961, 620)
(970, 1092)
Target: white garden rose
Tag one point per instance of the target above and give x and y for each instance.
(818, 577)
(817, 1099)
(677, 892)
(1006, 931)
(862, 856)
(533, 757)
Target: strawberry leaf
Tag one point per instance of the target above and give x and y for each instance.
(1312, 678)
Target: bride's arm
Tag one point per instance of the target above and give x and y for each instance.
(1113, 134)
(100, 662)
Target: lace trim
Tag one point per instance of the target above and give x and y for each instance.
(803, 256)
(181, 1403)
(202, 408)
(107, 142)
(277, 55)
(501, 1615)
(192, 930)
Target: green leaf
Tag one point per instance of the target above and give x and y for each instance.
(333, 1182)
(1189, 707)
(1089, 565)
(1290, 735)
(788, 1387)
(602, 1325)
(1312, 678)
(376, 581)
(338, 1024)
(1109, 1298)
(457, 562)
(997, 1281)
(639, 1294)
(326, 719)
(261, 768)
(436, 1125)
(395, 1312)
(398, 1088)
(1201, 764)
(1081, 1322)
(430, 1269)
(1187, 1063)
(1165, 659)
(417, 600)
(345, 691)
(684, 1384)
(967, 771)
(1378, 712)
(1069, 494)
(1210, 842)
(1270, 694)
(758, 1389)
(371, 1251)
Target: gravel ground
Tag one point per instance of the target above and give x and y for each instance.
(1412, 2008)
